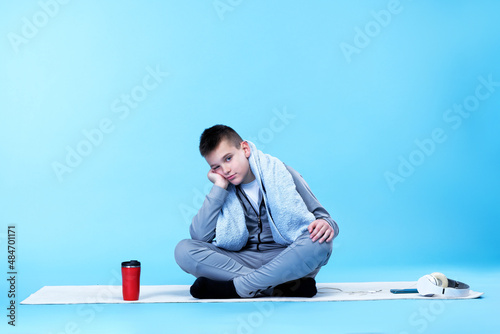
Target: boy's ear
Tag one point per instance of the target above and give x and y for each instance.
(246, 148)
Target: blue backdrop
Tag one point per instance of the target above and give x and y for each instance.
(389, 109)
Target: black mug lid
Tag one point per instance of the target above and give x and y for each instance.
(131, 263)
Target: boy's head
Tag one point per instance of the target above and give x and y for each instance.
(227, 154)
(212, 137)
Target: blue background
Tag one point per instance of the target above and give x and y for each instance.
(341, 91)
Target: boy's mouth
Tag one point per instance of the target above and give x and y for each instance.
(231, 177)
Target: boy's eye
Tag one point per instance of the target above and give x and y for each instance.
(228, 158)
(215, 168)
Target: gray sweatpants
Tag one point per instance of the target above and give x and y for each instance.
(253, 271)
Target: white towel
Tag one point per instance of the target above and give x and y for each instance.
(287, 213)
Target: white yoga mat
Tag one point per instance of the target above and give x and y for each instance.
(112, 294)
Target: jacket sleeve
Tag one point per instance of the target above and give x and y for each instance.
(311, 201)
(203, 225)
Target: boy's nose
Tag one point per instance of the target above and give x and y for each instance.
(226, 169)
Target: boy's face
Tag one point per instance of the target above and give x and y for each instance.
(231, 162)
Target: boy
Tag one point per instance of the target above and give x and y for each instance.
(260, 230)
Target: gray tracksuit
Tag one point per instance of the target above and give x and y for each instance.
(262, 263)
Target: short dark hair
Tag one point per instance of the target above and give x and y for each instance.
(212, 137)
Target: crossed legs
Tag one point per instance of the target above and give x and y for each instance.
(247, 273)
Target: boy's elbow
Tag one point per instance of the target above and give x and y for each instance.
(204, 239)
(200, 237)
(335, 229)
(194, 234)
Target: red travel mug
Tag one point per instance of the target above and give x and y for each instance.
(131, 274)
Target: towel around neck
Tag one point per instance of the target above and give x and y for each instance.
(287, 213)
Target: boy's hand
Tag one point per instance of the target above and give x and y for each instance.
(217, 179)
(320, 229)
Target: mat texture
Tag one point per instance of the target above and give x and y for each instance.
(112, 294)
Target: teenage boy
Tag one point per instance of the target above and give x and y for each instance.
(260, 230)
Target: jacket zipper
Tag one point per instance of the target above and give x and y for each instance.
(257, 214)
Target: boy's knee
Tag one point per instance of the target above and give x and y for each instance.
(181, 252)
(325, 250)
(312, 254)
(320, 251)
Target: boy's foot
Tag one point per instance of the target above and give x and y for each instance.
(303, 287)
(205, 288)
